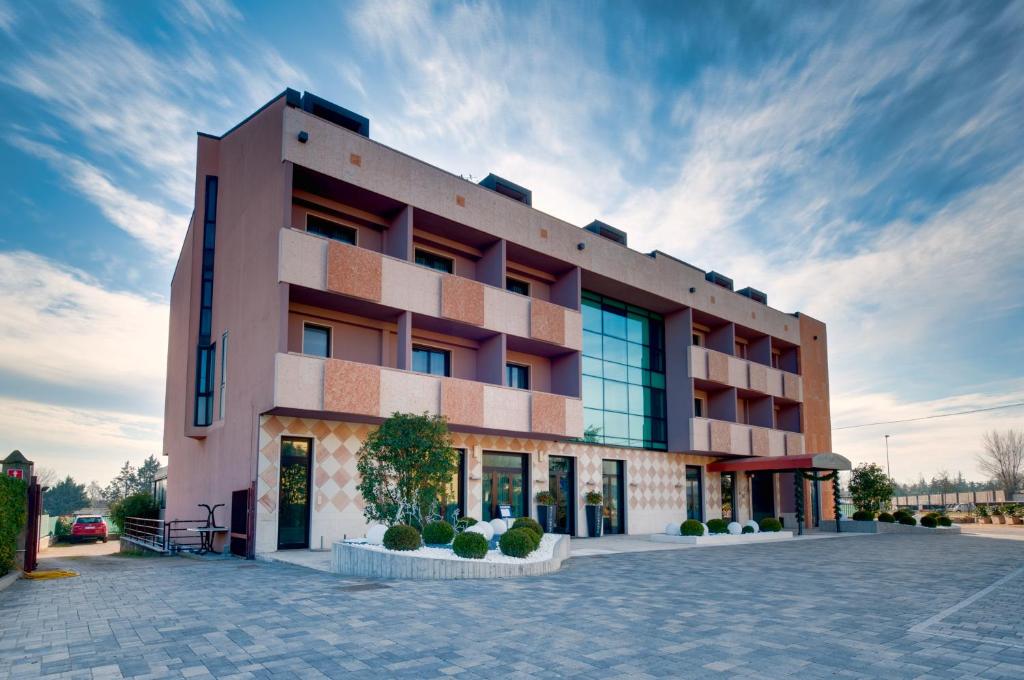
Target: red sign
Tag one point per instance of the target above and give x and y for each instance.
(17, 473)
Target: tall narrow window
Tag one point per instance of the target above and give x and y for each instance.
(316, 340)
(517, 376)
(223, 373)
(205, 350)
(698, 407)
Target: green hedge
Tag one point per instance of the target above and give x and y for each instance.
(770, 524)
(718, 526)
(945, 521)
(886, 517)
(864, 515)
(529, 523)
(12, 518)
(402, 537)
(691, 527)
(470, 545)
(929, 521)
(908, 520)
(438, 533)
(518, 542)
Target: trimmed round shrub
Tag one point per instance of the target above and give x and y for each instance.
(402, 537)
(691, 527)
(517, 542)
(908, 520)
(945, 521)
(901, 513)
(464, 523)
(529, 523)
(470, 545)
(863, 516)
(438, 533)
(929, 521)
(932, 514)
(886, 517)
(718, 526)
(770, 524)
(534, 535)
(748, 530)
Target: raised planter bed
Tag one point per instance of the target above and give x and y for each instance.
(724, 539)
(352, 558)
(872, 527)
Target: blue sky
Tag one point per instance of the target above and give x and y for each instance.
(862, 163)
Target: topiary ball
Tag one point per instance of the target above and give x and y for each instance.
(438, 533)
(770, 524)
(402, 537)
(483, 528)
(375, 534)
(908, 520)
(718, 526)
(672, 529)
(748, 530)
(464, 523)
(691, 527)
(534, 535)
(529, 523)
(864, 515)
(752, 524)
(735, 528)
(517, 542)
(945, 521)
(929, 521)
(886, 517)
(470, 545)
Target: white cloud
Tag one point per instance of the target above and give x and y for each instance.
(206, 15)
(7, 18)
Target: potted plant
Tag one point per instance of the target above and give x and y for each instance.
(997, 515)
(595, 521)
(982, 512)
(1017, 515)
(546, 510)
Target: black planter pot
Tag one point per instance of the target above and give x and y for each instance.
(546, 517)
(595, 521)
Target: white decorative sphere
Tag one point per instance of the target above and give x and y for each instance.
(500, 526)
(483, 528)
(753, 525)
(735, 528)
(706, 530)
(375, 534)
(672, 529)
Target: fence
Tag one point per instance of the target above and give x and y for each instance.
(161, 535)
(959, 497)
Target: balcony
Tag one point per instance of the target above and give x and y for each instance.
(305, 385)
(707, 364)
(723, 437)
(322, 265)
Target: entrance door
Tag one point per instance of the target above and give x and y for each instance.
(504, 483)
(614, 491)
(762, 495)
(293, 516)
(694, 494)
(562, 483)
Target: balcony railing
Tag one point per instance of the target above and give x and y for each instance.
(708, 364)
(720, 436)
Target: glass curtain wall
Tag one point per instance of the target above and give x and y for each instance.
(623, 374)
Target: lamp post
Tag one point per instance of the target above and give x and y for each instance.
(888, 468)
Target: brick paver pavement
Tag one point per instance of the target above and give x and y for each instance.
(811, 609)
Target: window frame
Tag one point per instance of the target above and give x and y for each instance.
(330, 339)
(517, 365)
(509, 279)
(223, 386)
(432, 253)
(434, 350)
(355, 232)
(702, 402)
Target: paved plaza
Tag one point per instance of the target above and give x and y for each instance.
(886, 606)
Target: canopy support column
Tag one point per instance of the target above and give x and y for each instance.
(798, 497)
(835, 498)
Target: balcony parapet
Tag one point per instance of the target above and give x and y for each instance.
(708, 364)
(719, 436)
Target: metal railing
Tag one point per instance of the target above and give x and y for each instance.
(148, 533)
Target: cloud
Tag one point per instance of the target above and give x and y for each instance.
(63, 329)
(206, 15)
(7, 18)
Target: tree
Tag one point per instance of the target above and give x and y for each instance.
(46, 476)
(145, 475)
(136, 505)
(1003, 459)
(95, 493)
(870, 487)
(122, 485)
(64, 498)
(404, 467)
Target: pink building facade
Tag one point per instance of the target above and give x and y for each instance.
(327, 281)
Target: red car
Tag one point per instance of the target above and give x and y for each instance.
(88, 526)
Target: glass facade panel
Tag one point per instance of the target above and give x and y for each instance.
(623, 374)
(694, 494)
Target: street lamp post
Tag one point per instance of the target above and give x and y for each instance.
(888, 468)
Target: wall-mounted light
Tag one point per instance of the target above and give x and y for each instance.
(303, 137)
(581, 246)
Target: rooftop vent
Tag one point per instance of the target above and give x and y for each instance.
(321, 108)
(506, 188)
(755, 295)
(608, 231)
(719, 279)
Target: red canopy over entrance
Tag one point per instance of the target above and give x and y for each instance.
(816, 461)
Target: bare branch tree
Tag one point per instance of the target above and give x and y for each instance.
(46, 476)
(1003, 459)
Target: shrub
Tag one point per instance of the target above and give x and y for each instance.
(770, 524)
(137, 505)
(544, 498)
(945, 521)
(62, 529)
(863, 515)
(534, 535)
(929, 521)
(691, 527)
(933, 515)
(402, 537)
(517, 542)
(438, 533)
(908, 520)
(718, 526)
(12, 518)
(529, 523)
(748, 530)
(464, 523)
(899, 513)
(886, 517)
(470, 545)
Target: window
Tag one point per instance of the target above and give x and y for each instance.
(517, 286)
(435, 261)
(223, 374)
(322, 226)
(741, 349)
(623, 374)
(742, 411)
(316, 340)
(694, 494)
(698, 339)
(517, 376)
(206, 354)
(776, 358)
(698, 407)
(432, 360)
(206, 357)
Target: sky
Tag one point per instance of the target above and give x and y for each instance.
(861, 163)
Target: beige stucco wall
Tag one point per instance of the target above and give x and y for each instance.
(739, 373)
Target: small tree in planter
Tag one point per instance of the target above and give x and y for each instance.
(870, 487)
(997, 515)
(595, 519)
(546, 510)
(982, 512)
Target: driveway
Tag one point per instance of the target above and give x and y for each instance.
(893, 606)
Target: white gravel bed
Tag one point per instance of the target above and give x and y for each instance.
(541, 554)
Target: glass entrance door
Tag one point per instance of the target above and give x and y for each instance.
(614, 497)
(562, 483)
(504, 483)
(762, 495)
(293, 515)
(694, 494)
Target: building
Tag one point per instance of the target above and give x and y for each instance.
(327, 281)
